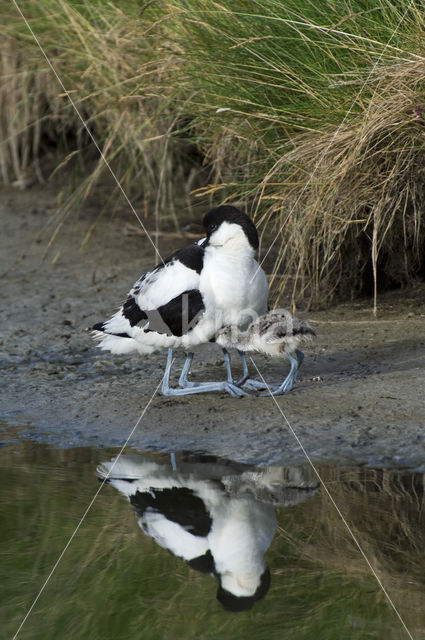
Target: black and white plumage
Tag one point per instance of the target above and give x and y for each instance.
(276, 333)
(218, 516)
(152, 317)
(196, 519)
(183, 301)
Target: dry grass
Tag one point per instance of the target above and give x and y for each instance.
(349, 202)
(29, 109)
(309, 117)
(116, 67)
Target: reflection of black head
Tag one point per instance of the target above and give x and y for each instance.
(244, 603)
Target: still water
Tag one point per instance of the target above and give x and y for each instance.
(194, 547)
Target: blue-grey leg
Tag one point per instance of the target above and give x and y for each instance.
(226, 357)
(200, 387)
(289, 381)
(245, 380)
(183, 381)
(173, 461)
(299, 358)
(245, 372)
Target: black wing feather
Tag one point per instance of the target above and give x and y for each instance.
(179, 505)
(179, 315)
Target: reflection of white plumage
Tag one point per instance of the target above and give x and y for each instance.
(276, 333)
(183, 301)
(196, 519)
(217, 515)
(242, 531)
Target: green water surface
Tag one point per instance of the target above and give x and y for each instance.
(114, 582)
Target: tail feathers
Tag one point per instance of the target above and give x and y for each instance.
(102, 326)
(117, 325)
(119, 345)
(306, 330)
(127, 468)
(114, 335)
(130, 475)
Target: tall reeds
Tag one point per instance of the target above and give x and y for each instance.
(309, 115)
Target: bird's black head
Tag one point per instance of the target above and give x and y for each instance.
(215, 218)
(244, 603)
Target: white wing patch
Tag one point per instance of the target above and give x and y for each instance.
(163, 284)
(172, 536)
(152, 290)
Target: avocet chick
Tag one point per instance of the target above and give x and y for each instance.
(276, 333)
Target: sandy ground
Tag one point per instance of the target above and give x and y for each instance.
(368, 405)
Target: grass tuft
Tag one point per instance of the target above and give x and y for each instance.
(310, 116)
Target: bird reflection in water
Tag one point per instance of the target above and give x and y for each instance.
(216, 515)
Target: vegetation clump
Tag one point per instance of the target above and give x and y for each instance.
(309, 115)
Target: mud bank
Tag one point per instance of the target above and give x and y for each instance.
(360, 397)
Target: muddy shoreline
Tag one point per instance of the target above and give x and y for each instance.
(368, 406)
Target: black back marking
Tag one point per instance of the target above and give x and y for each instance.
(307, 330)
(133, 312)
(192, 257)
(214, 218)
(176, 317)
(179, 315)
(178, 504)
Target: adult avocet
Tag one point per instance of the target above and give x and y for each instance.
(187, 298)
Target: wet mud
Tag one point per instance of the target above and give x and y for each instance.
(360, 397)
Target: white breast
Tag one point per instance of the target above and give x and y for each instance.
(242, 532)
(233, 285)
